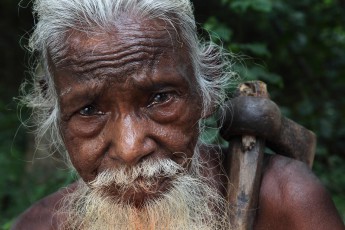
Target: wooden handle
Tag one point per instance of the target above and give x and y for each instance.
(245, 168)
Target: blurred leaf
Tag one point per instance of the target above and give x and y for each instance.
(218, 30)
(258, 5)
(256, 49)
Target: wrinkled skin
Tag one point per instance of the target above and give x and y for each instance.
(129, 96)
(128, 101)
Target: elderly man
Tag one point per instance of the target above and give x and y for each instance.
(122, 87)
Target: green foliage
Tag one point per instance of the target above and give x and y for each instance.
(242, 6)
(218, 31)
(22, 181)
(297, 48)
(10, 165)
(25, 181)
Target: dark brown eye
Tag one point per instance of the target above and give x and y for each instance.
(159, 98)
(89, 110)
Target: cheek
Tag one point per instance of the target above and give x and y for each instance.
(176, 125)
(86, 127)
(85, 152)
(181, 135)
(179, 143)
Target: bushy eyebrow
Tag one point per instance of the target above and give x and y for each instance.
(90, 91)
(80, 94)
(157, 86)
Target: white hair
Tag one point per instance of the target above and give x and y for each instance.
(55, 18)
(192, 201)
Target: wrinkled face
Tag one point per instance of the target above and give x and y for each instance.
(126, 97)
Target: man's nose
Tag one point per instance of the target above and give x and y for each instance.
(131, 142)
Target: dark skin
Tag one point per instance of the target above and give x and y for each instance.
(130, 95)
(127, 102)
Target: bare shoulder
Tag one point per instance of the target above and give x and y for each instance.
(41, 215)
(292, 197)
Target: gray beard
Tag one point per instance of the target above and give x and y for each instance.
(191, 202)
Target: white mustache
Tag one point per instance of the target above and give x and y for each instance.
(147, 170)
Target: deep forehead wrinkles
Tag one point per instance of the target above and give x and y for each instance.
(128, 48)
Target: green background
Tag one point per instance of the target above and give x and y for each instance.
(296, 47)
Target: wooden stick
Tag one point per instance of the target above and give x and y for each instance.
(245, 171)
